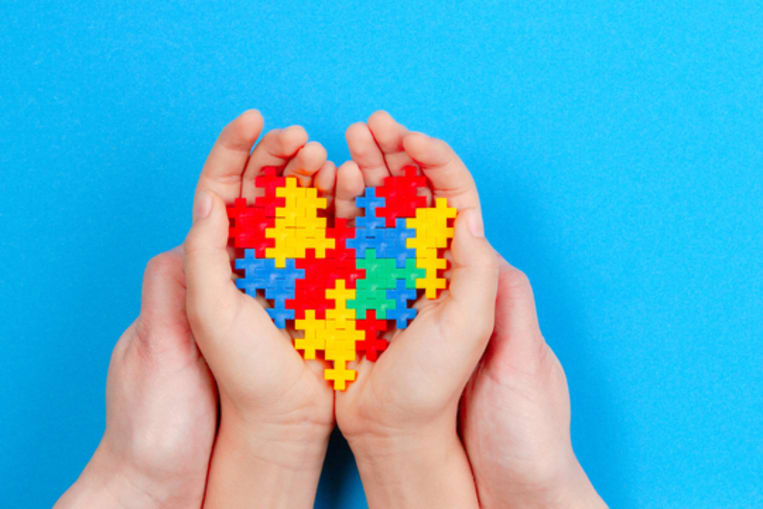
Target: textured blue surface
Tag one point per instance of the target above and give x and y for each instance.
(617, 146)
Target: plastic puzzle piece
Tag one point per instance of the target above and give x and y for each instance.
(340, 375)
(372, 345)
(369, 202)
(268, 182)
(394, 244)
(298, 226)
(314, 338)
(402, 312)
(341, 287)
(280, 314)
(433, 231)
(401, 194)
(247, 227)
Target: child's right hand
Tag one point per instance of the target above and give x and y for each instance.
(276, 409)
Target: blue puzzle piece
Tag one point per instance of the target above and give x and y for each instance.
(255, 273)
(364, 239)
(370, 222)
(278, 283)
(370, 202)
(402, 313)
(290, 273)
(280, 314)
(281, 289)
(259, 274)
(393, 243)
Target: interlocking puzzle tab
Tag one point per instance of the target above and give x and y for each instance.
(343, 286)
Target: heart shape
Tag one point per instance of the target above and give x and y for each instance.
(340, 285)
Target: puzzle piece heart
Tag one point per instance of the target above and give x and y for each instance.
(341, 285)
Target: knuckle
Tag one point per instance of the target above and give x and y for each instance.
(515, 278)
(160, 265)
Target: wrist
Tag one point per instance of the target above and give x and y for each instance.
(109, 483)
(292, 445)
(573, 490)
(569, 488)
(421, 468)
(265, 464)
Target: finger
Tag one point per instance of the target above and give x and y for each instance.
(325, 181)
(447, 175)
(162, 308)
(517, 339)
(211, 296)
(389, 138)
(227, 159)
(276, 149)
(306, 163)
(349, 185)
(366, 154)
(222, 318)
(469, 307)
(462, 320)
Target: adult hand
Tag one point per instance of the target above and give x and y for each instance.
(161, 407)
(515, 414)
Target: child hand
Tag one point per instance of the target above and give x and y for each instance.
(276, 409)
(399, 416)
(515, 415)
(161, 407)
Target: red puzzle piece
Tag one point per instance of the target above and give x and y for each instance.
(401, 195)
(373, 344)
(269, 182)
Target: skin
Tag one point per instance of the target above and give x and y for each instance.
(276, 409)
(515, 412)
(399, 417)
(515, 416)
(161, 407)
(161, 400)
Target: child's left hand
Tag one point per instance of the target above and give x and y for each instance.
(399, 416)
(161, 407)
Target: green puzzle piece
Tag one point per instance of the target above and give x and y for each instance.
(381, 275)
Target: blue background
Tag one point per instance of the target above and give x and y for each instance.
(617, 147)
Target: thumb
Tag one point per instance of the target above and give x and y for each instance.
(210, 293)
(517, 340)
(162, 311)
(470, 306)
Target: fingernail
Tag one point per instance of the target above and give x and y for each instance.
(474, 221)
(203, 206)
